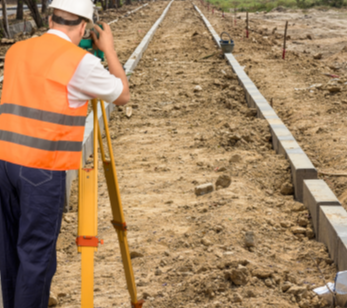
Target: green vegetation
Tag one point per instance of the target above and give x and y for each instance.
(268, 5)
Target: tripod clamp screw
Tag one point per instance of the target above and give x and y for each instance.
(88, 241)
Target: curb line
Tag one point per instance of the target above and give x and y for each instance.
(329, 218)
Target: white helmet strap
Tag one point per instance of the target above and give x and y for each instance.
(61, 21)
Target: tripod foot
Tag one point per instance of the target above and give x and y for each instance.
(138, 304)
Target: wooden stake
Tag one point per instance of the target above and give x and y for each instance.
(285, 41)
(247, 25)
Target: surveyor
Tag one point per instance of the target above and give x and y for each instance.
(48, 81)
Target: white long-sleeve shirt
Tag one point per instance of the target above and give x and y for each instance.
(91, 80)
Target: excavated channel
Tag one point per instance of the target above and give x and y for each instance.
(246, 244)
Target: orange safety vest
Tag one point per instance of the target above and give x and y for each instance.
(38, 128)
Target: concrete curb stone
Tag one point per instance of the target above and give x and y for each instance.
(317, 193)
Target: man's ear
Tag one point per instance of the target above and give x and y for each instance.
(50, 22)
(83, 28)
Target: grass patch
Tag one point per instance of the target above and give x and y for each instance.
(268, 5)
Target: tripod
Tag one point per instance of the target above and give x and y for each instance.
(87, 240)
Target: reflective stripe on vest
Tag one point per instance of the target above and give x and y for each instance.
(40, 144)
(38, 128)
(41, 115)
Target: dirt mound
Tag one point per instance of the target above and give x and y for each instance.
(338, 61)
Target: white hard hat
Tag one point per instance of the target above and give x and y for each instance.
(82, 8)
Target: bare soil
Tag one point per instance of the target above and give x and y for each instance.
(247, 243)
(312, 104)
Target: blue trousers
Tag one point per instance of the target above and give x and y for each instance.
(31, 207)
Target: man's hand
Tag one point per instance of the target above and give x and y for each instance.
(105, 43)
(105, 40)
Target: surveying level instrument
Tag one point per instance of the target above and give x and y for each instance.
(87, 40)
(87, 240)
(87, 44)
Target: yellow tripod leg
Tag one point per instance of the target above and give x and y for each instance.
(117, 211)
(87, 240)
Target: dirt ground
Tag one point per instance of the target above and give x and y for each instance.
(312, 104)
(246, 244)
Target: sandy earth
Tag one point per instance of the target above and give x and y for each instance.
(311, 104)
(247, 243)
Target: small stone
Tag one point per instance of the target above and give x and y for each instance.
(287, 189)
(249, 239)
(334, 88)
(141, 283)
(167, 253)
(128, 112)
(237, 298)
(236, 158)
(203, 189)
(238, 276)
(197, 88)
(250, 293)
(202, 269)
(305, 304)
(298, 207)
(217, 305)
(303, 222)
(285, 224)
(295, 290)
(135, 254)
(317, 56)
(298, 230)
(218, 229)
(163, 263)
(67, 219)
(53, 301)
(268, 283)
(158, 272)
(7, 41)
(62, 294)
(235, 137)
(216, 82)
(318, 86)
(223, 181)
(286, 286)
(206, 242)
(262, 273)
(146, 295)
(310, 233)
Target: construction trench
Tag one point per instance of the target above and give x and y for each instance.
(247, 243)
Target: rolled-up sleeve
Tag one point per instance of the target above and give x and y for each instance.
(92, 80)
